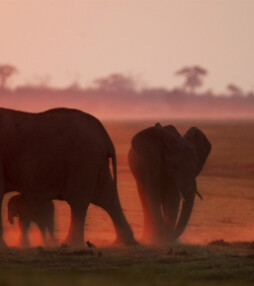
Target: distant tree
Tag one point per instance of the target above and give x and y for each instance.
(6, 71)
(234, 90)
(74, 86)
(193, 77)
(43, 81)
(250, 94)
(115, 83)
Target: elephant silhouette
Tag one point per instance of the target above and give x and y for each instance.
(61, 154)
(165, 166)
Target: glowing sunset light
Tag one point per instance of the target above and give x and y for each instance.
(126, 142)
(64, 41)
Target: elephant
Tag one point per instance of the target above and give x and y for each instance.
(27, 212)
(62, 154)
(165, 166)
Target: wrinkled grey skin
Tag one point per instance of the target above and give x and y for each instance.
(27, 212)
(61, 154)
(165, 166)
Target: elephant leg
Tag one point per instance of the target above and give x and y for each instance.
(155, 229)
(42, 228)
(51, 231)
(122, 227)
(108, 199)
(170, 202)
(2, 242)
(24, 227)
(147, 228)
(75, 236)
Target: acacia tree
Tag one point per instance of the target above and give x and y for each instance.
(234, 90)
(193, 77)
(116, 82)
(6, 71)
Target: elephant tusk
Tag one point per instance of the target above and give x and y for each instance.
(181, 196)
(199, 195)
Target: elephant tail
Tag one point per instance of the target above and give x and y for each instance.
(114, 168)
(112, 155)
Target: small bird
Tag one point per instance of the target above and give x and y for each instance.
(90, 244)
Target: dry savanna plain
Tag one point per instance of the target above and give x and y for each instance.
(217, 247)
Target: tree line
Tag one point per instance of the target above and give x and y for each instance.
(116, 93)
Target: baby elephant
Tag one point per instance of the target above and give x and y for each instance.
(41, 213)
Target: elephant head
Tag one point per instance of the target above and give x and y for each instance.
(165, 165)
(187, 155)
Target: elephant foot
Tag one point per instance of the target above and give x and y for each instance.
(3, 245)
(177, 242)
(51, 242)
(25, 244)
(54, 243)
(162, 239)
(125, 242)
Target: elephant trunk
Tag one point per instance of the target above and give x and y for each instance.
(186, 211)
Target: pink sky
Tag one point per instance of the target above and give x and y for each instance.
(149, 39)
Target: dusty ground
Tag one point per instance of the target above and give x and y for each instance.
(218, 264)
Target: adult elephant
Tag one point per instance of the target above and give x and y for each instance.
(61, 154)
(165, 166)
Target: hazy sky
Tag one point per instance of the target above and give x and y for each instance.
(149, 39)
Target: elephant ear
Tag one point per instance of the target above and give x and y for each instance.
(201, 143)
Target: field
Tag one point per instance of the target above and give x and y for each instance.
(225, 216)
(183, 265)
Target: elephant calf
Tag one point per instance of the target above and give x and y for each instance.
(165, 166)
(41, 214)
